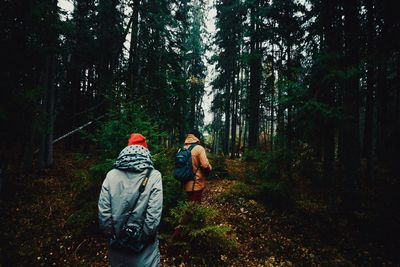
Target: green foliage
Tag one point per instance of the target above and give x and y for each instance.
(113, 133)
(263, 181)
(238, 195)
(164, 161)
(201, 234)
(191, 215)
(219, 168)
(315, 107)
(244, 189)
(275, 194)
(172, 191)
(307, 166)
(101, 168)
(267, 166)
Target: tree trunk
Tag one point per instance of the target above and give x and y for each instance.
(280, 114)
(369, 105)
(47, 83)
(272, 106)
(330, 47)
(351, 141)
(288, 150)
(134, 52)
(255, 82)
(240, 135)
(234, 114)
(227, 119)
(43, 131)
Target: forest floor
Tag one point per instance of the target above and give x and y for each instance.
(306, 234)
(35, 231)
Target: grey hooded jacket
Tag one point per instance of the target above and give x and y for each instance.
(118, 193)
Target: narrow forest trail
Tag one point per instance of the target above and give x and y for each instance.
(38, 233)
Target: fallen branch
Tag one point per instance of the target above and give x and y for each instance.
(73, 131)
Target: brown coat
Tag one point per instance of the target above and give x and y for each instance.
(199, 162)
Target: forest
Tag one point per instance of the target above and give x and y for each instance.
(298, 102)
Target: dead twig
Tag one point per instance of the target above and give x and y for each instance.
(77, 248)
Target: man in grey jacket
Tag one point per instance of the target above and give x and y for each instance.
(118, 194)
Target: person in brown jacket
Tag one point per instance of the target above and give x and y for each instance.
(201, 167)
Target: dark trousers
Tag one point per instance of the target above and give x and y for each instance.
(195, 196)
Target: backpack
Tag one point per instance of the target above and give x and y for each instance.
(183, 165)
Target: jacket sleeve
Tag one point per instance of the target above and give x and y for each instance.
(104, 206)
(153, 212)
(205, 164)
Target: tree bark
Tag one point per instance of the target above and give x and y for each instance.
(369, 105)
(227, 118)
(234, 113)
(255, 81)
(330, 46)
(351, 141)
(47, 83)
(133, 65)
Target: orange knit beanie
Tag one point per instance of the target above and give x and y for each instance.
(137, 139)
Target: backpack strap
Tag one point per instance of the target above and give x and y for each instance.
(191, 147)
(195, 176)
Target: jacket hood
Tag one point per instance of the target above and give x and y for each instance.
(134, 158)
(191, 139)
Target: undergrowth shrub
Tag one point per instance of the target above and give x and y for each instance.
(202, 237)
(275, 194)
(263, 173)
(266, 164)
(244, 189)
(307, 166)
(172, 191)
(219, 168)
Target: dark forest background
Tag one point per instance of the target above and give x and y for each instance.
(306, 93)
